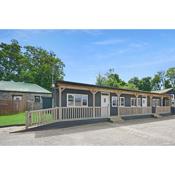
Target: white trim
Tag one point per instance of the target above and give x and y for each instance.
(133, 98)
(120, 101)
(116, 98)
(140, 102)
(82, 95)
(108, 95)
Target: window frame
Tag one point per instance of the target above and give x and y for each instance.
(82, 95)
(116, 98)
(35, 99)
(123, 100)
(139, 98)
(133, 98)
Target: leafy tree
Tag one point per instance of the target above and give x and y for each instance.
(156, 82)
(111, 79)
(170, 74)
(145, 84)
(135, 81)
(12, 61)
(167, 84)
(42, 64)
(29, 64)
(130, 86)
(100, 80)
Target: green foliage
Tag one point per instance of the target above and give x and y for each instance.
(145, 84)
(29, 64)
(110, 79)
(170, 74)
(160, 80)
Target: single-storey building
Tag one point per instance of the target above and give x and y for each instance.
(108, 99)
(79, 101)
(23, 96)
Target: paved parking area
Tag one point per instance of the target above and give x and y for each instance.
(148, 131)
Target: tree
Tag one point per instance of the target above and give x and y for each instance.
(135, 81)
(170, 74)
(12, 61)
(29, 64)
(100, 80)
(110, 79)
(158, 81)
(145, 84)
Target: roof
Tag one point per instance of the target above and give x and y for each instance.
(21, 87)
(105, 87)
(163, 91)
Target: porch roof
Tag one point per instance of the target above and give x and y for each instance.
(67, 83)
(163, 91)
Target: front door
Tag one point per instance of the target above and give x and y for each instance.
(144, 102)
(105, 105)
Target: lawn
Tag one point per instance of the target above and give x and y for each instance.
(14, 119)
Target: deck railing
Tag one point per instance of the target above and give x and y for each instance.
(163, 109)
(45, 116)
(126, 111)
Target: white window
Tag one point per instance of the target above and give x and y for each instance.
(122, 101)
(70, 100)
(17, 97)
(75, 100)
(114, 101)
(84, 100)
(133, 101)
(138, 101)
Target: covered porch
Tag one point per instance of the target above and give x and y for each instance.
(73, 101)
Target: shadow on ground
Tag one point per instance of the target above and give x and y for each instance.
(70, 127)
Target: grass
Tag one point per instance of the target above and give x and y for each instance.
(15, 119)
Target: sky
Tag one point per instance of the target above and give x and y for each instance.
(86, 53)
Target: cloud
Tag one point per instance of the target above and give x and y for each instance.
(109, 42)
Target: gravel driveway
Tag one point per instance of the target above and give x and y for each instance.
(148, 131)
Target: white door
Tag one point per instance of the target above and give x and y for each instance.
(105, 105)
(144, 102)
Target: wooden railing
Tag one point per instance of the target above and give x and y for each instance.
(45, 116)
(163, 109)
(126, 111)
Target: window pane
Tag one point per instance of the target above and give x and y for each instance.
(70, 100)
(37, 99)
(122, 101)
(78, 100)
(114, 101)
(85, 101)
(139, 102)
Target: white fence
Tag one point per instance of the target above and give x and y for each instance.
(45, 116)
(127, 111)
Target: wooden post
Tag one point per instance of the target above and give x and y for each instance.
(93, 93)
(137, 100)
(60, 109)
(27, 121)
(151, 101)
(118, 104)
(161, 101)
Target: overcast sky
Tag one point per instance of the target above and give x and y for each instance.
(89, 52)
